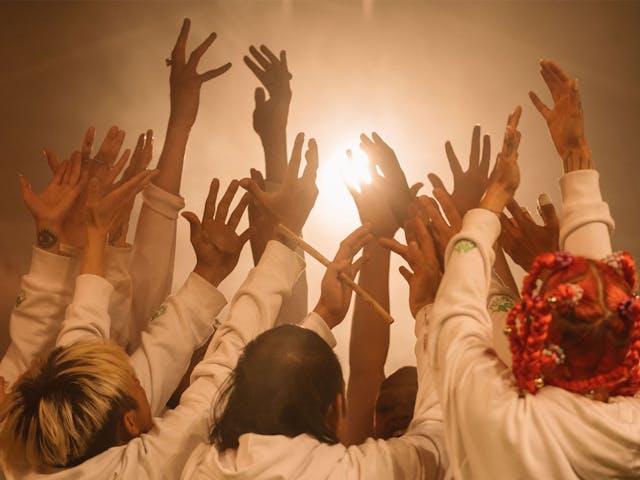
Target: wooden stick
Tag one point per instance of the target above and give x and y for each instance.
(325, 261)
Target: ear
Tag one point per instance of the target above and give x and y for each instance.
(336, 414)
(130, 424)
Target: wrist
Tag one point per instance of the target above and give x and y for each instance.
(48, 236)
(323, 312)
(178, 125)
(495, 199)
(211, 274)
(577, 157)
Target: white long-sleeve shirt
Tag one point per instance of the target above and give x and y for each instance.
(162, 452)
(45, 291)
(490, 431)
(419, 454)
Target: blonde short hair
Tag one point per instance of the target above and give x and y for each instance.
(67, 406)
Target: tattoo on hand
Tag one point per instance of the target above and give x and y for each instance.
(46, 239)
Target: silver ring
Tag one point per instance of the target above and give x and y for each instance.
(168, 61)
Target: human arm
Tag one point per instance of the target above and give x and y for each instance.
(369, 339)
(87, 317)
(185, 84)
(585, 221)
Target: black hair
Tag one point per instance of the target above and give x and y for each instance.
(284, 383)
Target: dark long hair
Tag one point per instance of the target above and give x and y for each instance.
(284, 383)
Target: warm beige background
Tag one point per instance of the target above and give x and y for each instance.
(416, 72)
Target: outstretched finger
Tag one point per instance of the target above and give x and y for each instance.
(448, 207)
(236, 215)
(198, 52)
(474, 156)
(178, 54)
(311, 156)
(269, 54)
(436, 181)
(129, 189)
(485, 161)
(517, 214)
(547, 211)
(210, 202)
(395, 246)
(454, 164)
(258, 193)
(353, 243)
(76, 167)
(194, 223)
(540, 106)
(58, 177)
(257, 71)
(87, 144)
(260, 58)
(216, 72)
(406, 273)
(52, 160)
(296, 158)
(225, 201)
(246, 235)
(259, 96)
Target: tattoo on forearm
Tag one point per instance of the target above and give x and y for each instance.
(46, 239)
(115, 235)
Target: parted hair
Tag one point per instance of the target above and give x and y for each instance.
(284, 383)
(578, 325)
(67, 406)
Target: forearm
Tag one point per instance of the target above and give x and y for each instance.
(274, 145)
(368, 347)
(93, 261)
(172, 157)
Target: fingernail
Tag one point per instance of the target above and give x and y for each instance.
(544, 200)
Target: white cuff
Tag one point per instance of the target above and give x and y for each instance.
(164, 203)
(316, 323)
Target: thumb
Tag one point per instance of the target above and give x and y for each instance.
(25, 188)
(194, 223)
(547, 211)
(259, 96)
(415, 188)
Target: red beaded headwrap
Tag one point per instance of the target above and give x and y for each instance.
(579, 328)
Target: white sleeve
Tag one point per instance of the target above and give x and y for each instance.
(499, 301)
(87, 317)
(181, 324)
(163, 452)
(295, 306)
(585, 220)
(483, 419)
(316, 323)
(117, 274)
(45, 291)
(153, 256)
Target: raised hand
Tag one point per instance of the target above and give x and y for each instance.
(468, 186)
(272, 71)
(425, 275)
(373, 204)
(505, 177)
(293, 201)
(262, 225)
(139, 161)
(566, 119)
(185, 81)
(51, 207)
(441, 229)
(105, 205)
(214, 239)
(523, 239)
(394, 187)
(335, 296)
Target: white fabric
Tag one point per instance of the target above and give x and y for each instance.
(585, 221)
(419, 454)
(162, 452)
(45, 291)
(490, 431)
(152, 257)
(182, 324)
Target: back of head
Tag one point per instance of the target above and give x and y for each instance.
(395, 403)
(284, 384)
(578, 326)
(66, 407)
